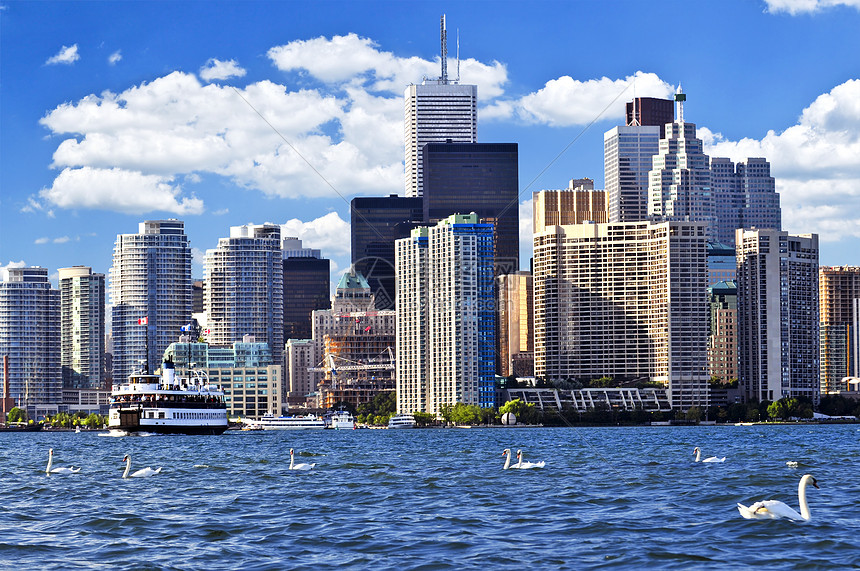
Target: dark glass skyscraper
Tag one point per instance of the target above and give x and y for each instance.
(306, 288)
(376, 222)
(650, 111)
(460, 178)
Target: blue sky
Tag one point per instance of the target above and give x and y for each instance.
(112, 113)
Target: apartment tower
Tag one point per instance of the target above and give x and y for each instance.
(82, 327)
(150, 290)
(839, 293)
(778, 318)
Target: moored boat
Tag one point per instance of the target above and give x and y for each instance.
(341, 420)
(401, 421)
(272, 422)
(168, 405)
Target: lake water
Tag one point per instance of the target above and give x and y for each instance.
(614, 498)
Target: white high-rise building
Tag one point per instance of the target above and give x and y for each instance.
(744, 197)
(29, 335)
(150, 290)
(626, 300)
(413, 314)
(627, 153)
(243, 292)
(778, 314)
(437, 111)
(82, 333)
(455, 315)
(300, 356)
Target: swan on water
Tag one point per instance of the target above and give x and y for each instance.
(774, 509)
(523, 465)
(142, 473)
(49, 470)
(507, 452)
(300, 465)
(698, 454)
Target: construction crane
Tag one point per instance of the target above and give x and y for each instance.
(384, 362)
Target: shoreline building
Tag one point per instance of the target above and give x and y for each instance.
(243, 288)
(353, 343)
(446, 330)
(307, 286)
(625, 300)
(82, 327)
(515, 325)
(839, 298)
(436, 111)
(482, 178)
(151, 294)
(29, 337)
(778, 315)
(300, 380)
(723, 339)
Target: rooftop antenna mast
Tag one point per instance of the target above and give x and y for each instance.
(458, 55)
(444, 34)
(636, 121)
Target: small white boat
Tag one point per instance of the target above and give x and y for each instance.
(77, 429)
(272, 422)
(401, 421)
(342, 420)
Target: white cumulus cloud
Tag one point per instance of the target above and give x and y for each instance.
(566, 101)
(118, 190)
(67, 55)
(816, 163)
(115, 58)
(215, 69)
(795, 7)
(329, 233)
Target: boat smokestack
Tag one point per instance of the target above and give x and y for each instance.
(169, 373)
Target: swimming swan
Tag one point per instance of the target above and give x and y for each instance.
(507, 452)
(523, 465)
(143, 473)
(698, 454)
(773, 509)
(49, 470)
(301, 465)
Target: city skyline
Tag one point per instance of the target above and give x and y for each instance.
(113, 114)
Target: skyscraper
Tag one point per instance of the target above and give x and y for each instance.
(476, 177)
(778, 319)
(679, 184)
(436, 111)
(243, 292)
(650, 112)
(744, 197)
(456, 317)
(307, 287)
(627, 153)
(150, 287)
(29, 335)
(82, 327)
(723, 339)
(839, 292)
(375, 223)
(625, 300)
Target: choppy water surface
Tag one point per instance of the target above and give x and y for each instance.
(431, 499)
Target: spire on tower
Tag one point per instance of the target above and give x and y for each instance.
(680, 97)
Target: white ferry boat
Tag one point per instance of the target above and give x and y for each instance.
(167, 405)
(342, 420)
(401, 421)
(272, 422)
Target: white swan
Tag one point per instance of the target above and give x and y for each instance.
(143, 473)
(523, 465)
(773, 509)
(698, 454)
(300, 465)
(49, 470)
(507, 452)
